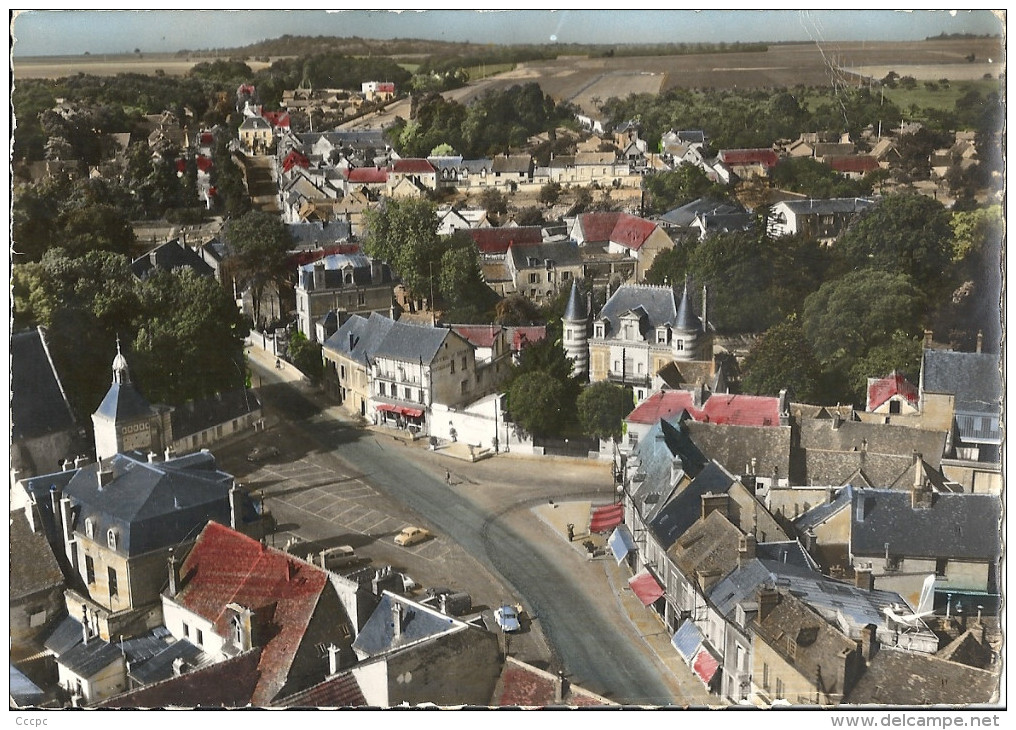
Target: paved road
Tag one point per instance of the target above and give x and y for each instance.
(597, 647)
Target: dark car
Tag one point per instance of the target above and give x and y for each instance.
(262, 453)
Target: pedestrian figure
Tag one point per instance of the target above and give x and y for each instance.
(448, 477)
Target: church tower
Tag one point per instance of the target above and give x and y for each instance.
(125, 421)
(575, 331)
(689, 333)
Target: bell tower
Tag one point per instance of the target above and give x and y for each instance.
(124, 421)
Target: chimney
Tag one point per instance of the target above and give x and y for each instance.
(333, 659)
(863, 578)
(980, 340)
(868, 643)
(746, 549)
(318, 278)
(830, 494)
(151, 457)
(559, 687)
(235, 507)
(705, 308)
(714, 502)
(837, 420)
(80, 461)
(169, 453)
(922, 496)
(66, 519)
(928, 338)
(178, 666)
(105, 476)
(174, 574)
(55, 496)
(85, 633)
(396, 619)
(768, 599)
(918, 471)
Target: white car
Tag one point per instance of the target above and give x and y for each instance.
(507, 618)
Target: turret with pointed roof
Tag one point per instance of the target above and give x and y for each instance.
(688, 329)
(575, 331)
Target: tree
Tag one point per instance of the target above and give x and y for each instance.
(602, 408)
(902, 352)
(904, 234)
(461, 282)
(668, 190)
(735, 266)
(259, 243)
(403, 233)
(550, 193)
(782, 358)
(538, 403)
(95, 228)
(848, 317)
(516, 309)
(530, 216)
(306, 356)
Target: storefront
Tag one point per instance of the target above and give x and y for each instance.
(401, 417)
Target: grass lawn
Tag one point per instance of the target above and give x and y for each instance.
(941, 98)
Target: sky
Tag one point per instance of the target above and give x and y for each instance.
(74, 32)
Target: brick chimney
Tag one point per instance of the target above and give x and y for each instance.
(714, 502)
(921, 496)
(980, 341)
(746, 549)
(174, 574)
(868, 643)
(768, 599)
(396, 619)
(863, 578)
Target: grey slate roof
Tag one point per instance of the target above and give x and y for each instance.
(828, 206)
(903, 678)
(686, 318)
(358, 337)
(168, 257)
(956, 526)
(159, 665)
(664, 444)
(686, 214)
(411, 342)
(657, 302)
(734, 446)
(974, 378)
(23, 691)
(150, 506)
(685, 509)
(556, 253)
(418, 623)
(195, 416)
(575, 310)
(38, 403)
(819, 514)
(312, 234)
(123, 402)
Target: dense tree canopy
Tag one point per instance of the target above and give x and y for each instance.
(782, 358)
(602, 408)
(259, 243)
(403, 233)
(539, 403)
(668, 190)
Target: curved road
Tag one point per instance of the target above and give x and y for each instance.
(598, 651)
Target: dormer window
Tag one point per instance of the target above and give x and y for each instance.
(600, 330)
(90, 528)
(111, 540)
(236, 630)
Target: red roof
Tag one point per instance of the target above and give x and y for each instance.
(478, 335)
(412, 166)
(293, 159)
(367, 175)
(340, 691)
(632, 232)
(853, 163)
(733, 410)
(742, 410)
(895, 384)
(764, 156)
(497, 240)
(204, 163)
(181, 165)
(207, 138)
(277, 119)
(227, 567)
(522, 336)
(597, 227)
(386, 86)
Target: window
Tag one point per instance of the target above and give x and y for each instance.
(409, 393)
(90, 528)
(463, 362)
(186, 630)
(565, 275)
(381, 389)
(361, 297)
(236, 624)
(779, 688)
(533, 278)
(421, 396)
(464, 386)
(599, 330)
(342, 372)
(199, 637)
(678, 345)
(453, 367)
(89, 570)
(765, 677)
(37, 618)
(894, 406)
(111, 539)
(567, 334)
(941, 566)
(114, 586)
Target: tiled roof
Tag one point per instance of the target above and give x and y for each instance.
(853, 163)
(882, 389)
(227, 567)
(169, 256)
(230, 683)
(277, 118)
(538, 255)
(492, 241)
(419, 623)
(664, 404)
(597, 227)
(340, 691)
(763, 156)
(367, 175)
(734, 410)
(904, 678)
(38, 403)
(820, 513)
(734, 446)
(519, 337)
(522, 685)
(255, 123)
(295, 158)
(358, 337)
(478, 335)
(657, 301)
(412, 343)
(33, 566)
(959, 526)
(707, 546)
(412, 166)
(631, 232)
(512, 164)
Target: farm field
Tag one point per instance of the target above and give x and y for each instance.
(171, 64)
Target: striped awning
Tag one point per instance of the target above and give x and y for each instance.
(646, 587)
(606, 518)
(621, 542)
(705, 665)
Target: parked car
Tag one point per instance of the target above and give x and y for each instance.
(411, 535)
(262, 453)
(507, 618)
(341, 556)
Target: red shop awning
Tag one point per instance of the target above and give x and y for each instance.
(705, 665)
(387, 408)
(411, 412)
(605, 519)
(646, 587)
